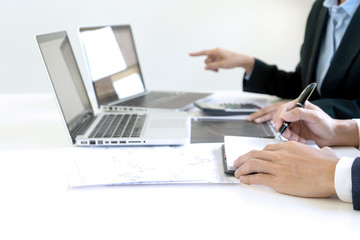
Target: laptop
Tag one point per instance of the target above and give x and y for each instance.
(114, 69)
(85, 128)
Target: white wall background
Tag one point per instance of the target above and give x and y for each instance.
(164, 30)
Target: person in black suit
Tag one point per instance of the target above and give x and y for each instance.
(301, 170)
(330, 56)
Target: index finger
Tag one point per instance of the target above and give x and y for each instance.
(257, 114)
(264, 155)
(243, 158)
(200, 53)
(262, 115)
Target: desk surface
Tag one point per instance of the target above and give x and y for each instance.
(36, 204)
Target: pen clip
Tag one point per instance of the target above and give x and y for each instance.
(305, 94)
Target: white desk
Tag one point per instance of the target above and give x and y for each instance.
(35, 203)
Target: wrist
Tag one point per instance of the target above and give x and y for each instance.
(346, 133)
(248, 63)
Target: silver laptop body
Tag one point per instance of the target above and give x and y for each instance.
(85, 128)
(114, 69)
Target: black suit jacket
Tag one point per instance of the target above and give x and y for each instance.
(355, 178)
(340, 91)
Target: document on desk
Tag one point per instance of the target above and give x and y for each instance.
(193, 163)
(236, 146)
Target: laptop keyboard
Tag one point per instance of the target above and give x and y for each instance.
(119, 126)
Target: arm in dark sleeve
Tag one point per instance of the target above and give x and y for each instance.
(355, 178)
(269, 79)
(339, 108)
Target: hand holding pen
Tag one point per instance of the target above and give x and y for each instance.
(305, 94)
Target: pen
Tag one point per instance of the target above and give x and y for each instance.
(305, 94)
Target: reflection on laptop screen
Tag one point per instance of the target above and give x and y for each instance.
(112, 62)
(65, 77)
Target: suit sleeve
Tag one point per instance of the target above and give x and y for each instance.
(355, 178)
(269, 79)
(339, 108)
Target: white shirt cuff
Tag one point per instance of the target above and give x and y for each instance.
(248, 76)
(343, 184)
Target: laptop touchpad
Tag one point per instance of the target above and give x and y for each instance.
(168, 123)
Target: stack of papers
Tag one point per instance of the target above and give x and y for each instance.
(237, 146)
(194, 163)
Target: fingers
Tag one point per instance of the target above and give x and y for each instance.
(280, 146)
(292, 136)
(214, 65)
(328, 151)
(264, 172)
(255, 165)
(209, 60)
(297, 114)
(263, 118)
(287, 112)
(244, 158)
(258, 179)
(257, 160)
(200, 53)
(264, 114)
(212, 61)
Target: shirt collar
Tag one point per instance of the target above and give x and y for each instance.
(348, 6)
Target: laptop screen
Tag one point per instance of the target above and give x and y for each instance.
(65, 77)
(112, 62)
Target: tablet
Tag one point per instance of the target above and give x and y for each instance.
(213, 129)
